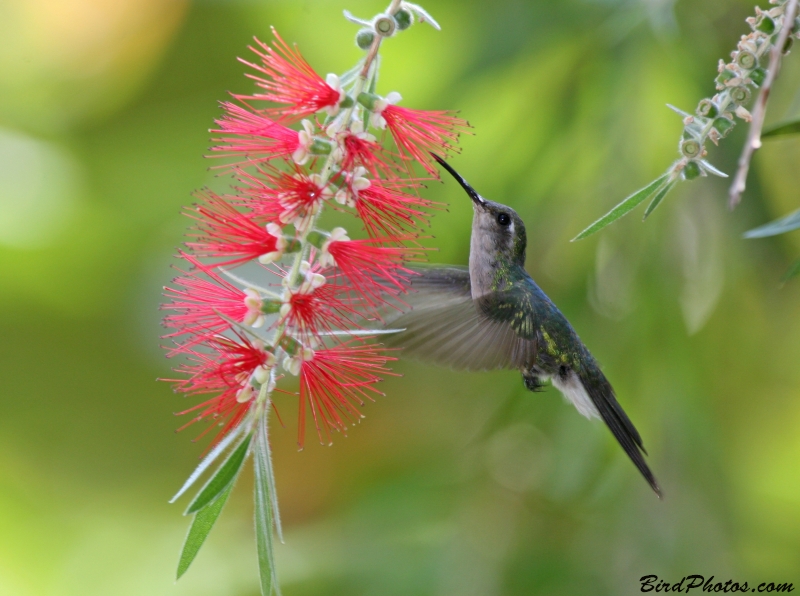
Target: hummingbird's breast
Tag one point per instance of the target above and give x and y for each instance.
(489, 267)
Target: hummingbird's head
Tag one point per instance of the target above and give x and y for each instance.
(497, 231)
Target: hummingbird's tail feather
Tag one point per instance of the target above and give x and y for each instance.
(602, 396)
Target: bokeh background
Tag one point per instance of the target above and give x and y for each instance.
(454, 484)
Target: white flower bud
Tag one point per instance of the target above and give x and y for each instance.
(244, 394)
(305, 139)
(292, 364)
(260, 375)
(334, 83)
(253, 302)
(270, 257)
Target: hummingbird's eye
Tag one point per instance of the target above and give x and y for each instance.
(503, 219)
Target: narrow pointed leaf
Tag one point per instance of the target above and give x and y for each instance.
(264, 541)
(712, 170)
(209, 459)
(793, 271)
(623, 208)
(779, 226)
(223, 478)
(657, 199)
(201, 526)
(784, 128)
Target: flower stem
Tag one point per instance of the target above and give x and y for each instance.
(759, 110)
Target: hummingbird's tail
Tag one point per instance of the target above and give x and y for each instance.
(602, 396)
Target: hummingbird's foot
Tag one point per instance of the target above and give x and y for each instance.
(532, 382)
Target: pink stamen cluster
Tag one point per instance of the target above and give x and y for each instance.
(322, 290)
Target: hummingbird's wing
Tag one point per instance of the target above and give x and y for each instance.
(442, 324)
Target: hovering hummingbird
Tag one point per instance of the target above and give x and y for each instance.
(493, 315)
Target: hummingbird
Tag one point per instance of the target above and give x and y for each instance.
(492, 315)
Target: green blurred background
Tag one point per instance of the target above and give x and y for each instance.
(455, 484)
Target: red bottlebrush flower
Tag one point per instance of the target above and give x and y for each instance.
(418, 133)
(225, 232)
(291, 81)
(199, 302)
(227, 371)
(318, 307)
(290, 197)
(257, 194)
(388, 211)
(360, 149)
(374, 267)
(260, 138)
(334, 381)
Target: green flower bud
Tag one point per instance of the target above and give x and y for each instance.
(691, 170)
(320, 147)
(707, 109)
(385, 26)
(723, 125)
(724, 76)
(292, 245)
(740, 94)
(364, 38)
(746, 60)
(403, 19)
(290, 345)
(316, 239)
(690, 148)
(270, 307)
(765, 24)
(367, 100)
(788, 45)
(758, 75)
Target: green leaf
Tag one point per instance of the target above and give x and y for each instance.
(779, 226)
(784, 128)
(657, 199)
(211, 457)
(223, 478)
(793, 271)
(201, 526)
(623, 208)
(264, 519)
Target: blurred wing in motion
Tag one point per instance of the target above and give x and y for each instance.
(443, 325)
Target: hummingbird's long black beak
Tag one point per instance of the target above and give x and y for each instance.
(476, 198)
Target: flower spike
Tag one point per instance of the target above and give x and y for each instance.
(303, 301)
(289, 80)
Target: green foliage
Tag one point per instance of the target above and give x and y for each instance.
(264, 512)
(223, 478)
(779, 226)
(793, 271)
(630, 203)
(202, 523)
(659, 196)
(784, 128)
